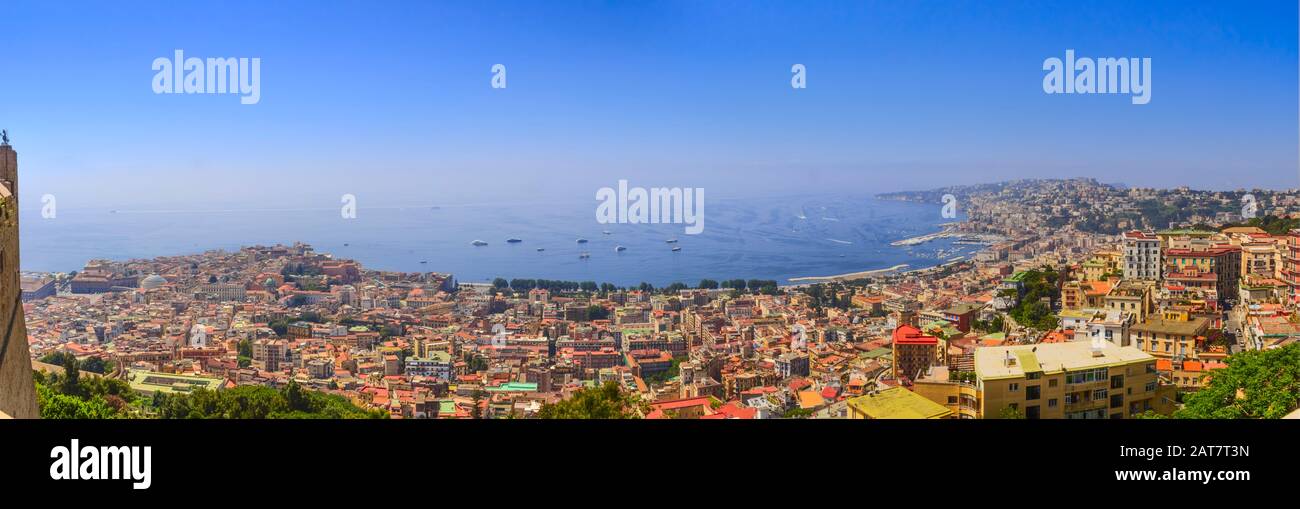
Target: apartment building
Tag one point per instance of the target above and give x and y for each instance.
(1070, 380)
(1141, 255)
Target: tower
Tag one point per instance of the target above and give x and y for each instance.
(17, 390)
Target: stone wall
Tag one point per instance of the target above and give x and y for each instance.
(17, 391)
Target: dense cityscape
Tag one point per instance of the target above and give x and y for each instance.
(1087, 300)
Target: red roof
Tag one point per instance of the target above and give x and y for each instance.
(909, 335)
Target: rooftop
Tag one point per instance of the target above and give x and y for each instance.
(898, 403)
(990, 362)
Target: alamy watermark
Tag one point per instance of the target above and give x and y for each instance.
(195, 75)
(658, 205)
(1085, 75)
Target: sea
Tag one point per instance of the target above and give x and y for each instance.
(774, 238)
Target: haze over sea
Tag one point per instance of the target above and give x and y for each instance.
(766, 238)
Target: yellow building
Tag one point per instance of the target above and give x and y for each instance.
(1101, 264)
(1132, 296)
(1072, 380)
(896, 403)
(959, 397)
(1170, 335)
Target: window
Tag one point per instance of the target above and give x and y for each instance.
(1099, 394)
(1051, 382)
(1032, 392)
(1151, 386)
(1031, 412)
(1034, 376)
(1051, 403)
(1117, 382)
(1117, 401)
(1013, 387)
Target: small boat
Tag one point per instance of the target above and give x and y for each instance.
(620, 248)
(671, 241)
(479, 243)
(514, 241)
(676, 249)
(540, 249)
(584, 255)
(345, 244)
(582, 241)
(424, 261)
(606, 232)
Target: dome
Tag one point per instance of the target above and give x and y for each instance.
(152, 282)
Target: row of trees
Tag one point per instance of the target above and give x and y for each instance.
(69, 396)
(72, 396)
(766, 286)
(258, 402)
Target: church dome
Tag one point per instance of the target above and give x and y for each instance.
(153, 281)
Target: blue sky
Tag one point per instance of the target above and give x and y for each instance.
(392, 100)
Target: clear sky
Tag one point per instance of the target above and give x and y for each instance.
(392, 100)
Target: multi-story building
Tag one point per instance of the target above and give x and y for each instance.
(436, 364)
(1133, 297)
(1217, 267)
(1173, 336)
(1070, 380)
(1141, 255)
(270, 354)
(1290, 271)
(913, 352)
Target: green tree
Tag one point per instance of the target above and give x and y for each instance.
(1010, 413)
(1255, 384)
(604, 402)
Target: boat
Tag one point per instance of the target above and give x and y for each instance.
(606, 232)
(671, 241)
(514, 241)
(479, 243)
(540, 249)
(676, 249)
(424, 261)
(582, 241)
(620, 248)
(584, 255)
(345, 244)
